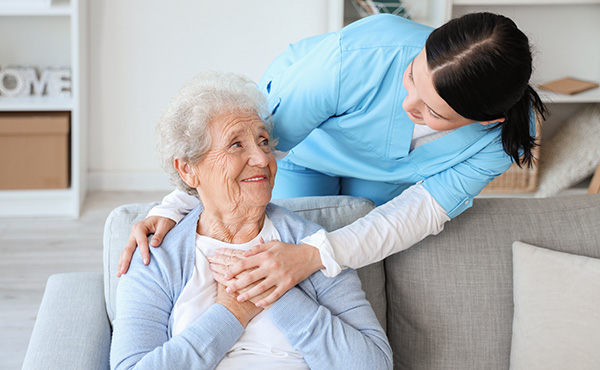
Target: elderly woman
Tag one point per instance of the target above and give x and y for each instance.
(175, 314)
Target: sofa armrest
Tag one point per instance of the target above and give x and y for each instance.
(72, 330)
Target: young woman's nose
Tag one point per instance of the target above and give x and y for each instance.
(411, 102)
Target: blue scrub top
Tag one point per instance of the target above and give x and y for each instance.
(336, 101)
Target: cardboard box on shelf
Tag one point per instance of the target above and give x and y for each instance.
(34, 150)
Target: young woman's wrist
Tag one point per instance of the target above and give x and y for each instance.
(327, 263)
(314, 256)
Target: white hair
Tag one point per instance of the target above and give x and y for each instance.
(183, 130)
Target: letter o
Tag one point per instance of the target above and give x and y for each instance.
(19, 84)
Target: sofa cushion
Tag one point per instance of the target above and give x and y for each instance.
(556, 322)
(331, 212)
(449, 297)
(116, 232)
(71, 330)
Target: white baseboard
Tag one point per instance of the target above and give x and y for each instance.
(119, 181)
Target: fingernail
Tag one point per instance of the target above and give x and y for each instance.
(146, 261)
(228, 290)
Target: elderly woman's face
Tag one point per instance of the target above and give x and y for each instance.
(239, 168)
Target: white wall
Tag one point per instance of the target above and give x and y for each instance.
(142, 51)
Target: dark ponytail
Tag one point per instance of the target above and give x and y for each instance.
(516, 139)
(481, 64)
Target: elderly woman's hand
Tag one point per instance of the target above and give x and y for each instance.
(269, 270)
(219, 271)
(243, 311)
(159, 226)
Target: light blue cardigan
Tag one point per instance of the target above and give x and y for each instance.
(328, 320)
(336, 101)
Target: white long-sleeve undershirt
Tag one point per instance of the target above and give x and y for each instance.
(388, 229)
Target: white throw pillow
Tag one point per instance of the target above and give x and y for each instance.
(556, 323)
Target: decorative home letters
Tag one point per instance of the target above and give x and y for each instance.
(24, 81)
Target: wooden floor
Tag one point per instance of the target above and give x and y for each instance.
(32, 249)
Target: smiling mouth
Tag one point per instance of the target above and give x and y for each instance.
(255, 179)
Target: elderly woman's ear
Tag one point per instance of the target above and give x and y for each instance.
(186, 171)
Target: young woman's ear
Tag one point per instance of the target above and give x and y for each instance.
(499, 120)
(186, 171)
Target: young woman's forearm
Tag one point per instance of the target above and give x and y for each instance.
(388, 229)
(175, 205)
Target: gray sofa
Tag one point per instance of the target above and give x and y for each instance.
(446, 303)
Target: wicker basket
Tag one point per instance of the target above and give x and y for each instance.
(515, 180)
(518, 179)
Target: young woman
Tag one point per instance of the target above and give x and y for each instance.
(418, 120)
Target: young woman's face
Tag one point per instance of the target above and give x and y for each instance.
(423, 104)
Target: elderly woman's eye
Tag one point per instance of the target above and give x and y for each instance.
(265, 142)
(237, 144)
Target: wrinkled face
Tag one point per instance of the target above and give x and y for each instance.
(423, 104)
(239, 169)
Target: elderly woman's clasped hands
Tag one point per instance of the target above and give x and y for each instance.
(242, 276)
(222, 264)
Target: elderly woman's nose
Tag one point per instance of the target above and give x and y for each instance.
(258, 157)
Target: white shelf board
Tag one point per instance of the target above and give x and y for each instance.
(35, 103)
(523, 2)
(28, 203)
(590, 96)
(59, 9)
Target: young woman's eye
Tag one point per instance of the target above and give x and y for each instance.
(432, 113)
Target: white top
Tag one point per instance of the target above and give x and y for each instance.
(381, 233)
(422, 134)
(261, 337)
